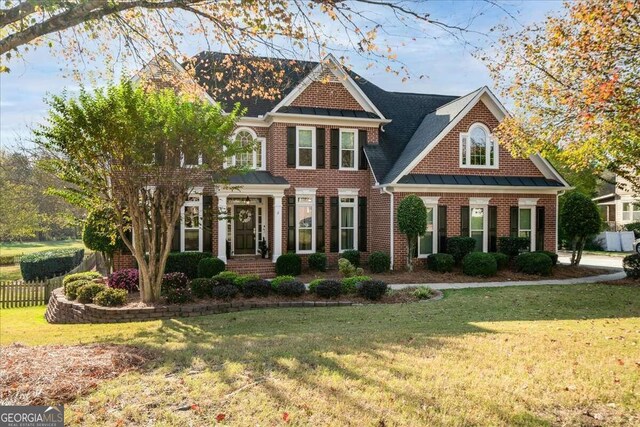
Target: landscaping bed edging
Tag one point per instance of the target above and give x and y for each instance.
(61, 310)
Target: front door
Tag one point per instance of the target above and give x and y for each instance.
(244, 230)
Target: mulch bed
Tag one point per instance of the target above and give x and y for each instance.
(56, 374)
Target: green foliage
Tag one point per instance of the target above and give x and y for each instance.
(179, 295)
(227, 275)
(328, 289)
(257, 288)
(479, 264)
(314, 284)
(440, 262)
(347, 269)
(352, 255)
(86, 293)
(202, 287)
(552, 255)
(459, 247)
(7, 259)
(379, 262)
(209, 267)
(513, 246)
(502, 260)
(100, 233)
(580, 219)
(292, 289)
(46, 264)
(87, 275)
(534, 263)
(241, 280)
(318, 261)
(185, 262)
(635, 227)
(631, 265)
(71, 288)
(289, 264)
(412, 221)
(423, 292)
(372, 289)
(224, 292)
(173, 281)
(350, 284)
(111, 297)
(280, 280)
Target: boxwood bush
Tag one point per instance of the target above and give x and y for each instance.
(328, 289)
(288, 265)
(127, 279)
(379, 262)
(224, 292)
(552, 255)
(209, 267)
(372, 289)
(202, 287)
(318, 261)
(230, 276)
(631, 265)
(275, 283)
(256, 288)
(185, 262)
(501, 259)
(349, 284)
(109, 297)
(87, 275)
(242, 279)
(71, 288)
(86, 293)
(479, 264)
(534, 263)
(313, 285)
(292, 289)
(513, 246)
(353, 256)
(47, 264)
(442, 263)
(459, 247)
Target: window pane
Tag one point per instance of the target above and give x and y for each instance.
(245, 160)
(191, 240)
(191, 217)
(347, 217)
(304, 239)
(347, 159)
(479, 238)
(426, 243)
(346, 236)
(525, 219)
(478, 146)
(305, 138)
(305, 219)
(477, 219)
(259, 156)
(305, 157)
(347, 140)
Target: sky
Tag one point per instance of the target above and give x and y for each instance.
(446, 62)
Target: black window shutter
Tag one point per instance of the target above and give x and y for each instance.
(513, 222)
(442, 228)
(320, 137)
(362, 141)
(493, 228)
(291, 224)
(207, 223)
(291, 147)
(540, 228)
(334, 218)
(335, 148)
(320, 224)
(362, 224)
(175, 243)
(464, 221)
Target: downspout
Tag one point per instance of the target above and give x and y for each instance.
(391, 246)
(558, 194)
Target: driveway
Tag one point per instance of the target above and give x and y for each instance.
(604, 261)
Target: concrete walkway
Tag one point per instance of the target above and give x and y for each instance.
(591, 279)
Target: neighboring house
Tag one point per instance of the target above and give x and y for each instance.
(336, 156)
(618, 203)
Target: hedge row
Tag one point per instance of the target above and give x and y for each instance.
(47, 264)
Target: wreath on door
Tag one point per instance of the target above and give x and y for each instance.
(245, 216)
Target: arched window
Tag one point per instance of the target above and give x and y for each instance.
(252, 159)
(478, 149)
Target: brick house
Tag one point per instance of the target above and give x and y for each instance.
(337, 154)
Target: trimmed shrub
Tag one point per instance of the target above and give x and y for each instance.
(87, 275)
(423, 292)
(353, 256)
(534, 263)
(288, 265)
(231, 276)
(86, 293)
(501, 259)
(47, 264)
(513, 246)
(292, 289)
(209, 267)
(127, 279)
(552, 255)
(71, 288)
(459, 247)
(328, 289)
(242, 280)
(631, 265)
(174, 281)
(379, 262)
(479, 264)
(256, 288)
(275, 283)
(201, 287)
(347, 269)
(109, 297)
(313, 285)
(179, 295)
(349, 284)
(7, 259)
(224, 292)
(442, 263)
(185, 262)
(318, 261)
(372, 289)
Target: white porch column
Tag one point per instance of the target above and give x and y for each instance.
(222, 230)
(277, 226)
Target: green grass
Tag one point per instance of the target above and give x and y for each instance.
(518, 356)
(24, 248)
(10, 272)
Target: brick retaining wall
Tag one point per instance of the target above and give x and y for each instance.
(61, 310)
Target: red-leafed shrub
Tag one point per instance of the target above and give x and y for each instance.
(127, 279)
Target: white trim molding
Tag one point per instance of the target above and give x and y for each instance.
(354, 150)
(348, 192)
(312, 148)
(529, 204)
(431, 203)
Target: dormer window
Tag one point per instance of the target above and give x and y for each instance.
(245, 137)
(478, 148)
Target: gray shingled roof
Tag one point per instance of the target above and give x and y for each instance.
(257, 177)
(511, 181)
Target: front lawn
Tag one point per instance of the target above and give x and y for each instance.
(24, 248)
(543, 355)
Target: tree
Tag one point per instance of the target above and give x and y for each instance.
(121, 148)
(575, 82)
(580, 219)
(412, 221)
(100, 234)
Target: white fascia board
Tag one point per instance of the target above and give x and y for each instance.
(548, 170)
(412, 188)
(254, 190)
(322, 120)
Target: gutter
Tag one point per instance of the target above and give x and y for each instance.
(391, 245)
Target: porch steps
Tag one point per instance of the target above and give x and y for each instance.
(265, 268)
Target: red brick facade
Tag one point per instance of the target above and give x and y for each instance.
(327, 95)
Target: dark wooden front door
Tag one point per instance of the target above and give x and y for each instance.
(244, 228)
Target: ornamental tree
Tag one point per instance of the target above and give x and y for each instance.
(412, 221)
(580, 219)
(121, 149)
(100, 234)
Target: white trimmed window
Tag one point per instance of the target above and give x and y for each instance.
(348, 158)
(190, 160)
(479, 223)
(191, 223)
(253, 159)
(305, 221)
(478, 148)
(631, 211)
(428, 243)
(305, 147)
(348, 219)
(527, 221)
